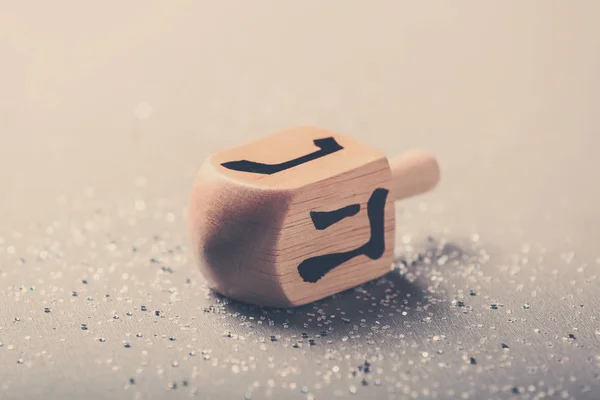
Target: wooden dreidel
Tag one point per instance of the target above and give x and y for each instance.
(300, 215)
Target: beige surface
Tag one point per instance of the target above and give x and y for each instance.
(107, 109)
(475, 82)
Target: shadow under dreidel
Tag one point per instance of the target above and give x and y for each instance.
(372, 305)
(433, 251)
(392, 301)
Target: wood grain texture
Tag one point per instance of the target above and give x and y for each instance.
(233, 234)
(253, 210)
(506, 93)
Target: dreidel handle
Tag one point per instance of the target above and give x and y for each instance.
(414, 172)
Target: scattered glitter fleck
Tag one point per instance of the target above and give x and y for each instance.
(369, 325)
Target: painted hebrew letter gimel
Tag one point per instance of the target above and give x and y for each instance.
(326, 145)
(315, 268)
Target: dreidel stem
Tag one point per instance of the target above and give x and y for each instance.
(414, 172)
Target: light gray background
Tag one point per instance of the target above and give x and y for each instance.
(107, 110)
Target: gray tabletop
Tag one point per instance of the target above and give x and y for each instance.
(107, 111)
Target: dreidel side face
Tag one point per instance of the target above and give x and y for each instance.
(233, 231)
(263, 213)
(338, 233)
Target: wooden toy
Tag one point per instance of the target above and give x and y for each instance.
(300, 215)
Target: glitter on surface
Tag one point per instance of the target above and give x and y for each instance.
(494, 292)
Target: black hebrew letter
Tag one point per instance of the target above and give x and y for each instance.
(326, 145)
(324, 219)
(315, 268)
